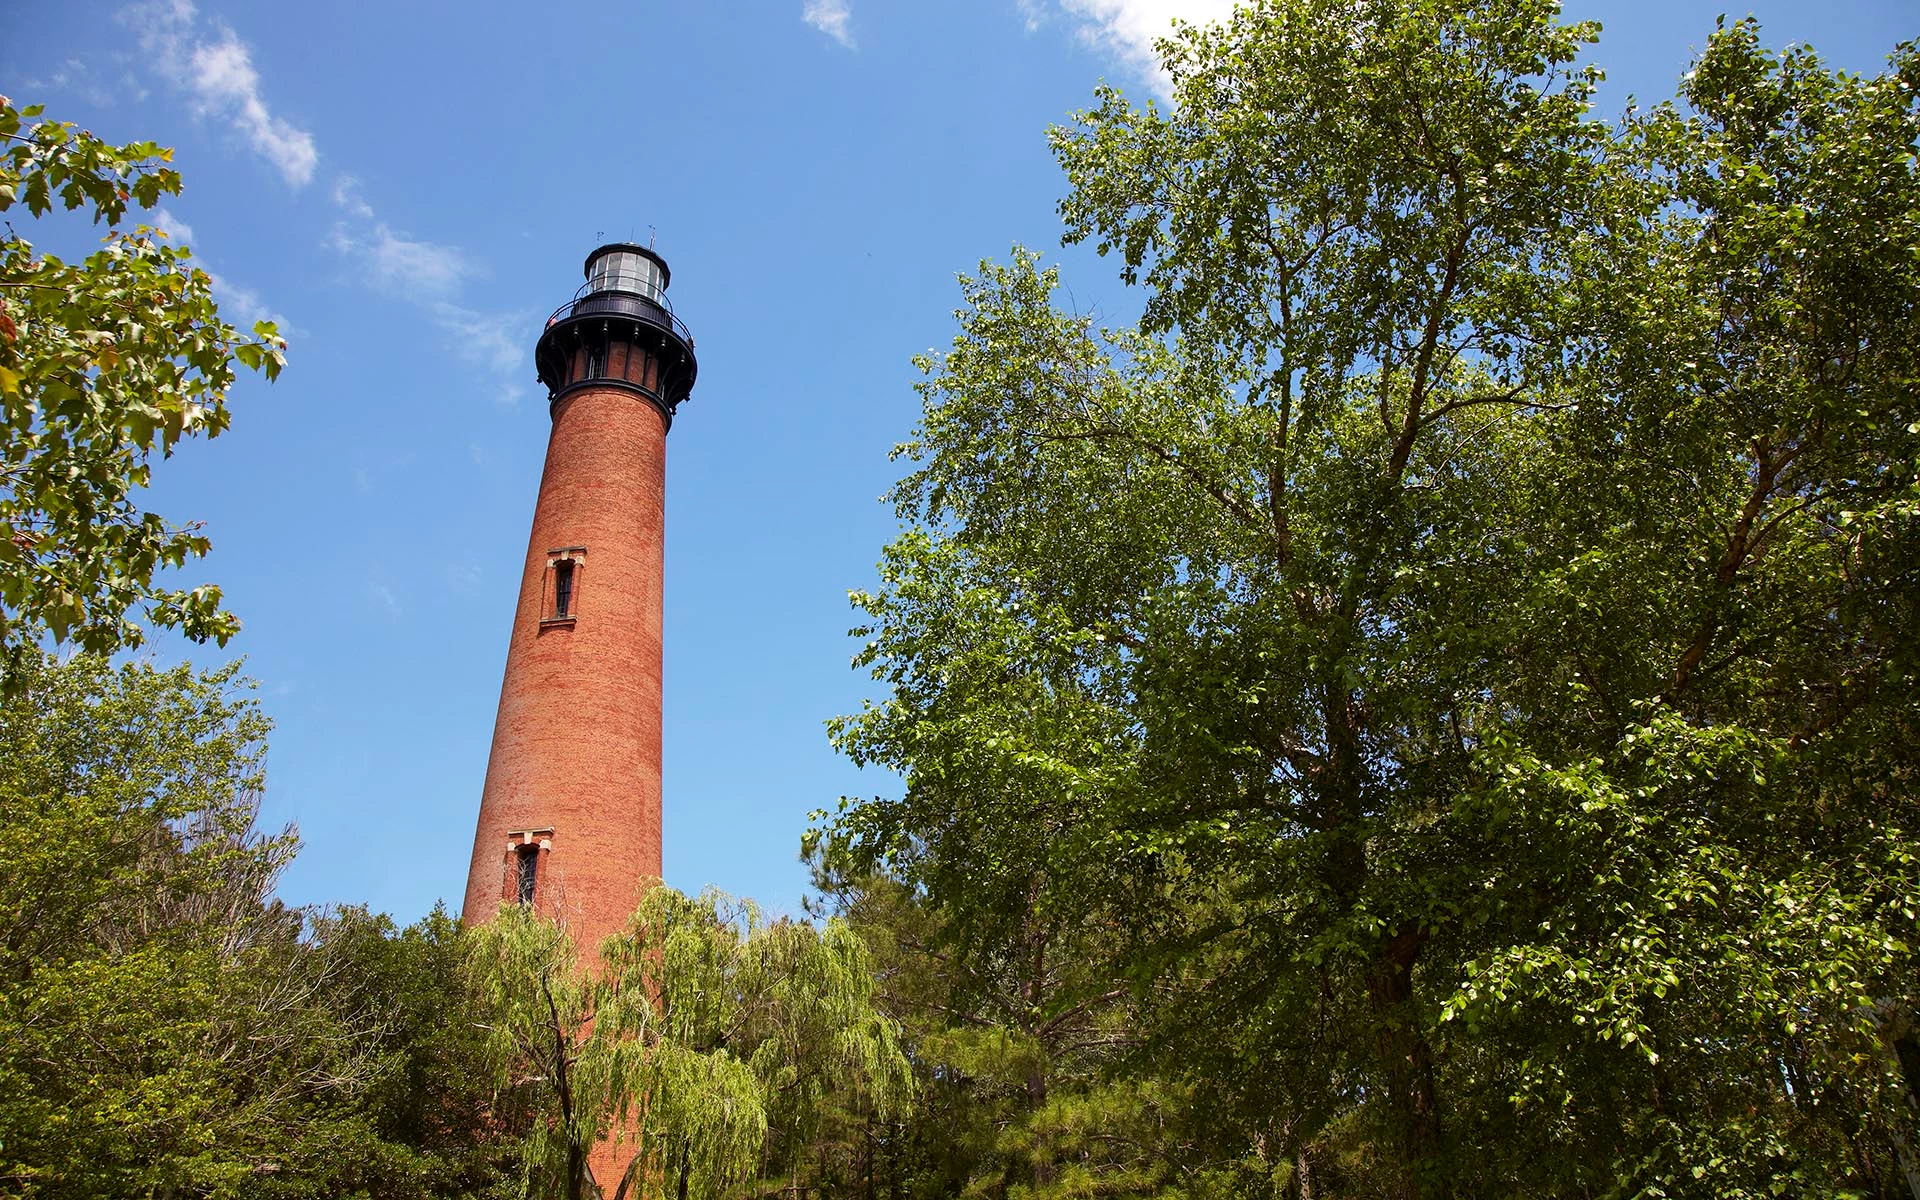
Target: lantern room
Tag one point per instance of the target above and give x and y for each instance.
(619, 331)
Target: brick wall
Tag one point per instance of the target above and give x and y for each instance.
(576, 745)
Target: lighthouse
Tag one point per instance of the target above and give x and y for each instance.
(570, 812)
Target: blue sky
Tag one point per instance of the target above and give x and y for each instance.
(410, 187)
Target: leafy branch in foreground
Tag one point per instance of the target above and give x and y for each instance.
(104, 363)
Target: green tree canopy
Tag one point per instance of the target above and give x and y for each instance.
(169, 1029)
(1459, 644)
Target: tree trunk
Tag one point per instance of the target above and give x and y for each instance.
(1036, 1100)
(869, 1147)
(1906, 1051)
(1406, 1064)
(580, 1182)
(893, 1160)
(1034, 993)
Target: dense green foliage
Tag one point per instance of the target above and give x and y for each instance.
(1429, 710)
(166, 1029)
(1451, 664)
(702, 1029)
(1032, 1077)
(103, 364)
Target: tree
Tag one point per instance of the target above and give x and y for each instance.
(1746, 778)
(701, 1027)
(103, 364)
(1462, 635)
(423, 1123)
(169, 1029)
(1034, 1076)
(157, 1019)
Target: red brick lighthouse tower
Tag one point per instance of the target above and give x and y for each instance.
(570, 814)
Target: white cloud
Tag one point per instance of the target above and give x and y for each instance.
(383, 598)
(160, 23)
(214, 67)
(397, 263)
(241, 306)
(1129, 28)
(831, 17)
(346, 195)
(226, 83)
(466, 578)
(218, 73)
(74, 75)
(492, 340)
(431, 275)
(178, 232)
(371, 467)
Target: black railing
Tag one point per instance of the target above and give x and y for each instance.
(588, 303)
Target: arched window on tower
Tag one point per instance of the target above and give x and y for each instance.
(526, 873)
(560, 601)
(525, 851)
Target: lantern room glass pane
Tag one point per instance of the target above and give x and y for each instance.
(625, 271)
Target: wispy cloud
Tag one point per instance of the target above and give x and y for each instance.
(394, 262)
(373, 466)
(1129, 28)
(831, 17)
(491, 340)
(217, 71)
(346, 196)
(243, 306)
(76, 76)
(178, 231)
(432, 276)
(240, 305)
(495, 342)
(210, 63)
(466, 578)
(381, 596)
(226, 83)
